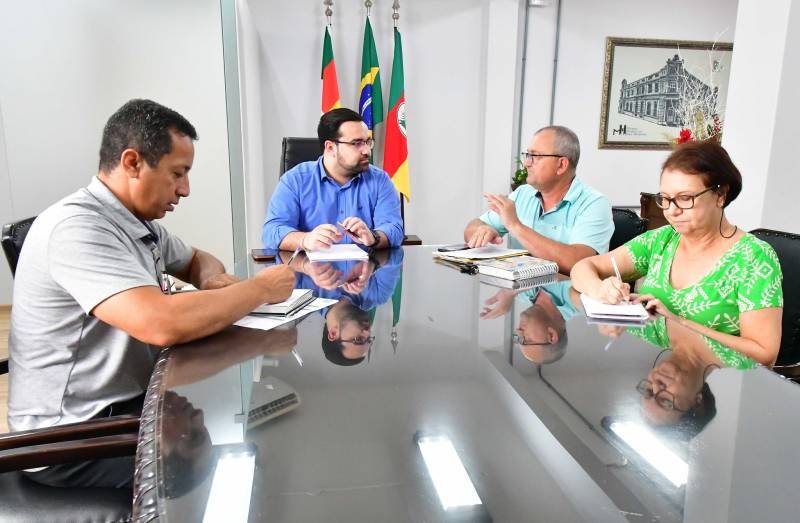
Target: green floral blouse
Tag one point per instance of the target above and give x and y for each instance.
(747, 277)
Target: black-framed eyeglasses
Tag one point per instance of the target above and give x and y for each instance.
(525, 156)
(359, 340)
(518, 338)
(358, 144)
(664, 398)
(682, 201)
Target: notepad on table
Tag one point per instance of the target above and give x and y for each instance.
(523, 284)
(480, 253)
(517, 268)
(618, 313)
(338, 252)
(298, 299)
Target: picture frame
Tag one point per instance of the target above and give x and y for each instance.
(654, 89)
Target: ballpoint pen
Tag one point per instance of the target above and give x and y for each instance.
(295, 253)
(617, 274)
(350, 233)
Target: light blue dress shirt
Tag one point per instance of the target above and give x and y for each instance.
(582, 217)
(307, 197)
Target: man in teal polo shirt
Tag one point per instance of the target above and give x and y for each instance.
(554, 216)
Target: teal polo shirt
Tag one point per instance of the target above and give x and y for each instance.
(582, 217)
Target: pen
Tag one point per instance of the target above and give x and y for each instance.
(295, 253)
(350, 233)
(616, 272)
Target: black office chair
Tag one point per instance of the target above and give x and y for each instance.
(296, 150)
(787, 247)
(650, 211)
(14, 234)
(627, 226)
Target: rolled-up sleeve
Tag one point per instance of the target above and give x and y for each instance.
(283, 214)
(387, 212)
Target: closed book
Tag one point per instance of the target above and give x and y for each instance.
(523, 284)
(517, 268)
(299, 299)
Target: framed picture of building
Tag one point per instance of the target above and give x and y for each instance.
(655, 90)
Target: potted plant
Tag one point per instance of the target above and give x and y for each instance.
(520, 176)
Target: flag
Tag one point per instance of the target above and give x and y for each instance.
(395, 154)
(330, 86)
(370, 104)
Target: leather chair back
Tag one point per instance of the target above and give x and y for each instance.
(650, 211)
(298, 150)
(627, 226)
(787, 247)
(14, 234)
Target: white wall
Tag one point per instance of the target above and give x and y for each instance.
(762, 112)
(446, 52)
(66, 66)
(585, 24)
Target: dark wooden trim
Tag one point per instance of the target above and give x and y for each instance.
(73, 431)
(412, 239)
(68, 452)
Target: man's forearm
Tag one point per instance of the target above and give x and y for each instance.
(204, 266)
(292, 240)
(563, 254)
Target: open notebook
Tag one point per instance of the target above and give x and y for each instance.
(619, 313)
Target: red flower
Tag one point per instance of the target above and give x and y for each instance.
(685, 136)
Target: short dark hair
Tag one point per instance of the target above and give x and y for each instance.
(145, 126)
(333, 349)
(329, 123)
(709, 160)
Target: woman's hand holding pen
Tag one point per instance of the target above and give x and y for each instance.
(612, 290)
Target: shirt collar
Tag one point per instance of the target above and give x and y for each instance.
(573, 193)
(323, 174)
(113, 208)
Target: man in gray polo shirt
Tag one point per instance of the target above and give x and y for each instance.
(90, 301)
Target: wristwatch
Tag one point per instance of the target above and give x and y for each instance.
(376, 236)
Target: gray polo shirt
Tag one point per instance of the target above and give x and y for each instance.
(65, 364)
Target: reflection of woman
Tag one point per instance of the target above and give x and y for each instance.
(700, 269)
(675, 392)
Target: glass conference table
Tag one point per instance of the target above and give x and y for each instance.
(446, 416)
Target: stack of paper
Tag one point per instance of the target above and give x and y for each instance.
(470, 256)
(621, 313)
(518, 267)
(338, 252)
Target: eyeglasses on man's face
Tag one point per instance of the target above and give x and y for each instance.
(526, 157)
(358, 144)
(682, 201)
(519, 338)
(664, 398)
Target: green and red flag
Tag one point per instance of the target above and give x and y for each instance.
(370, 103)
(395, 154)
(330, 85)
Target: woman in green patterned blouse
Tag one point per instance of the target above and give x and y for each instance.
(700, 269)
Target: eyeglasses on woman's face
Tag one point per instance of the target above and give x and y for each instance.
(681, 201)
(664, 398)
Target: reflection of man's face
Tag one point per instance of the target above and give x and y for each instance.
(544, 330)
(350, 329)
(183, 428)
(680, 386)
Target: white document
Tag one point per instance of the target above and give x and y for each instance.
(338, 252)
(270, 322)
(482, 253)
(620, 311)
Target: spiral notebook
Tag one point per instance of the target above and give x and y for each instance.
(517, 268)
(523, 284)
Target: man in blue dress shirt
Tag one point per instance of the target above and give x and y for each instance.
(554, 215)
(316, 203)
